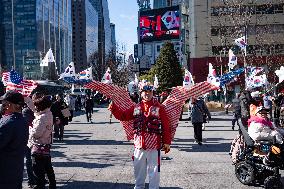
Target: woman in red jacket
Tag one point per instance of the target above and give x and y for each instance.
(151, 134)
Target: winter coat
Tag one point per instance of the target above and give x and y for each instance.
(198, 109)
(70, 101)
(261, 129)
(89, 105)
(13, 142)
(56, 108)
(41, 132)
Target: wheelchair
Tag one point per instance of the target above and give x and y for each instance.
(259, 162)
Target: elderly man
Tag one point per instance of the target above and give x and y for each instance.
(151, 133)
(13, 140)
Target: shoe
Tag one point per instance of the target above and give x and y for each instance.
(200, 143)
(203, 128)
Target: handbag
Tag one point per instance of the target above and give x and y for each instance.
(66, 112)
(41, 149)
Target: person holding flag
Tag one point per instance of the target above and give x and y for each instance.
(151, 134)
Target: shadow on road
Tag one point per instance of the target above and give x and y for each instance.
(209, 145)
(80, 164)
(103, 185)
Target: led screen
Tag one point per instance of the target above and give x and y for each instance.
(159, 24)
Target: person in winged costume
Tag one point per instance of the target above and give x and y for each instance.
(149, 124)
(152, 134)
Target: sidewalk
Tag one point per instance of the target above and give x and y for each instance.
(97, 156)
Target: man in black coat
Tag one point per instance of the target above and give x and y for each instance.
(13, 141)
(89, 105)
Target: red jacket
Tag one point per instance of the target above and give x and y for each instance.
(144, 139)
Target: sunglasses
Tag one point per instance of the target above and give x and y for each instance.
(147, 88)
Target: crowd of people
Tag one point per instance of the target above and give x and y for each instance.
(28, 127)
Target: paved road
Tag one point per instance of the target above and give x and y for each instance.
(97, 156)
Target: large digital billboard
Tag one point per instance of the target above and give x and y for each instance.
(159, 24)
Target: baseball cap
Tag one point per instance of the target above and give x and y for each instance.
(13, 97)
(261, 108)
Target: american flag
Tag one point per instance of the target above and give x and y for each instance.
(173, 104)
(6, 77)
(15, 82)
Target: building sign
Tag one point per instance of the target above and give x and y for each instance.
(159, 24)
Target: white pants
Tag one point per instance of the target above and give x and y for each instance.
(147, 161)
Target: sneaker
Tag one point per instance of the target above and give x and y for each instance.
(200, 143)
(203, 128)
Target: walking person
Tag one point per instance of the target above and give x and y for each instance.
(245, 101)
(13, 141)
(70, 101)
(40, 139)
(89, 105)
(236, 110)
(58, 118)
(151, 134)
(199, 112)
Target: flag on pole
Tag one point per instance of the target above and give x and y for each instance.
(280, 74)
(156, 82)
(232, 60)
(69, 71)
(48, 58)
(187, 80)
(107, 77)
(256, 81)
(16, 82)
(212, 76)
(241, 42)
(86, 74)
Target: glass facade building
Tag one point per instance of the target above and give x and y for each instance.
(29, 29)
(104, 31)
(85, 32)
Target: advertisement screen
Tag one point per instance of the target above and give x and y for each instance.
(159, 24)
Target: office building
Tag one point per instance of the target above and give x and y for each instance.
(29, 29)
(85, 33)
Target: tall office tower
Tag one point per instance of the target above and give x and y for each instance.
(113, 39)
(29, 29)
(85, 32)
(104, 33)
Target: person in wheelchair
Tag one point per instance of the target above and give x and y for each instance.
(261, 128)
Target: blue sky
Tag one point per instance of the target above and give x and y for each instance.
(124, 13)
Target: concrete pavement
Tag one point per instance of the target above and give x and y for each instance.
(97, 156)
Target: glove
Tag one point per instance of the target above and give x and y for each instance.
(166, 148)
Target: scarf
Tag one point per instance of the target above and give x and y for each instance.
(261, 120)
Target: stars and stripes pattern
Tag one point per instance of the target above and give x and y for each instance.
(25, 87)
(173, 104)
(6, 78)
(13, 81)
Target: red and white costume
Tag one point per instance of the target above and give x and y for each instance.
(151, 129)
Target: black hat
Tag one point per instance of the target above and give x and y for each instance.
(13, 97)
